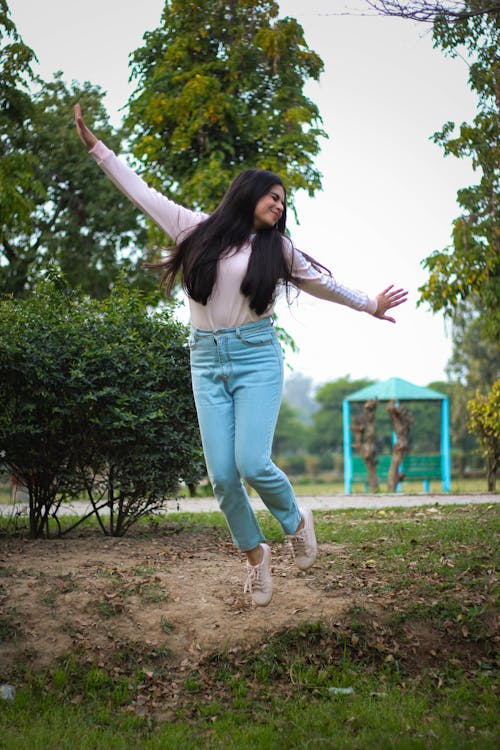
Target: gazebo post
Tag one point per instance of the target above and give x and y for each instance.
(394, 441)
(445, 445)
(346, 426)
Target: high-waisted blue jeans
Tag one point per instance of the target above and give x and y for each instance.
(237, 376)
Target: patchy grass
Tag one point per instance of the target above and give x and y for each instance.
(416, 647)
(278, 693)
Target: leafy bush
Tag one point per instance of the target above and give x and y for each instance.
(96, 398)
(484, 422)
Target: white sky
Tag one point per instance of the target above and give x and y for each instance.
(389, 195)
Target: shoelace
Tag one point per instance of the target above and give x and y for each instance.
(298, 543)
(254, 579)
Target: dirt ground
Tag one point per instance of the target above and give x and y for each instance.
(177, 591)
(181, 592)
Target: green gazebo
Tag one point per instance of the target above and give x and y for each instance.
(396, 389)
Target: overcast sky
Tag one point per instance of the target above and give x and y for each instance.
(389, 195)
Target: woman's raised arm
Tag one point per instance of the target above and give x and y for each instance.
(172, 218)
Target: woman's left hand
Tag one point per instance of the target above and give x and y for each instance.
(387, 299)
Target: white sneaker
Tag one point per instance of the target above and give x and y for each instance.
(303, 542)
(259, 582)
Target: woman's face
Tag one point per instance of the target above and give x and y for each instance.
(269, 208)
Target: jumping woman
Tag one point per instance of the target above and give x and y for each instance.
(233, 263)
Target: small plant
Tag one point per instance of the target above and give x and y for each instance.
(152, 593)
(9, 627)
(7, 572)
(108, 608)
(49, 598)
(166, 625)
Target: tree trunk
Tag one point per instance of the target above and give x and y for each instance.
(401, 423)
(364, 443)
(492, 474)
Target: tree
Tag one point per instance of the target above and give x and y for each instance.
(484, 421)
(364, 443)
(17, 164)
(474, 365)
(78, 219)
(298, 391)
(326, 431)
(401, 423)
(219, 89)
(291, 433)
(464, 280)
(96, 397)
(470, 269)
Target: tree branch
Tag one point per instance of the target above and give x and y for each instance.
(423, 11)
(428, 12)
(9, 252)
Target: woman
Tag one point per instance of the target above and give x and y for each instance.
(232, 265)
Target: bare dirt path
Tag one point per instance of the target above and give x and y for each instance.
(180, 593)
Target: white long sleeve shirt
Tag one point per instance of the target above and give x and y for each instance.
(226, 307)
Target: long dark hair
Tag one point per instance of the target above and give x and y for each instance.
(227, 229)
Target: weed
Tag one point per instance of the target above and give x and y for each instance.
(151, 593)
(49, 598)
(108, 608)
(144, 571)
(167, 626)
(9, 625)
(6, 572)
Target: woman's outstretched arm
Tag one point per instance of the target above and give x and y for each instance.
(172, 218)
(321, 284)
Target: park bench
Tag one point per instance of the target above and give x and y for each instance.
(415, 468)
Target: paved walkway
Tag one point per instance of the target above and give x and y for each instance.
(316, 502)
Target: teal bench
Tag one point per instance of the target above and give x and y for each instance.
(415, 468)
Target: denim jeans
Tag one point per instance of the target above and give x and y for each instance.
(237, 376)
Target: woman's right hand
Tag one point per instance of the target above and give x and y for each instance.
(86, 136)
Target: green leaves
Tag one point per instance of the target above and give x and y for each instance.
(464, 279)
(220, 89)
(96, 398)
(470, 268)
(55, 204)
(484, 422)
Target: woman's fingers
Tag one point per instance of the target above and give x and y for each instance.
(86, 135)
(389, 298)
(397, 297)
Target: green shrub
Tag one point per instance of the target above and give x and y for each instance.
(96, 398)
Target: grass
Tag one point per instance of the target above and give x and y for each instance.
(428, 568)
(284, 711)
(324, 485)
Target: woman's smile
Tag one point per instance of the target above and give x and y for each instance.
(269, 208)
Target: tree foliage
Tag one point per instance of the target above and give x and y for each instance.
(291, 433)
(326, 430)
(96, 398)
(484, 421)
(17, 164)
(55, 204)
(470, 268)
(219, 89)
(78, 220)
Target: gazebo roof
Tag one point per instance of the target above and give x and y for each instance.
(397, 389)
